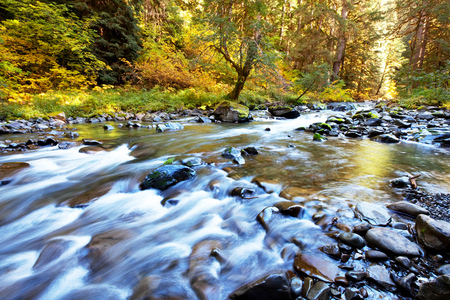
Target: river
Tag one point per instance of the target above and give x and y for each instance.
(45, 253)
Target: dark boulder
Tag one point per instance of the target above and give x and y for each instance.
(231, 112)
(284, 112)
(233, 153)
(437, 289)
(386, 138)
(269, 287)
(433, 234)
(167, 176)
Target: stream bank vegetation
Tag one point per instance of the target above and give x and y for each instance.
(87, 56)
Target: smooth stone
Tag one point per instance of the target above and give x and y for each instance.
(374, 255)
(266, 216)
(315, 266)
(307, 285)
(91, 142)
(290, 208)
(408, 208)
(362, 228)
(406, 283)
(433, 234)
(438, 289)
(403, 261)
(242, 192)
(388, 240)
(296, 286)
(108, 127)
(374, 214)
(269, 287)
(399, 225)
(191, 162)
(443, 270)
(386, 138)
(233, 153)
(401, 182)
(331, 250)
(320, 291)
(11, 168)
(251, 151)
(352, 239)
(342, 281)
(168, 127)
(167, 176)
(380, 275)
(91, 149)
(352, 293)
(355, 275)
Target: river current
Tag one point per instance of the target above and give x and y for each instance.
(46, 245)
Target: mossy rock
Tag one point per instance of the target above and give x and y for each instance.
(231, 112)
(166, 176)
(325, 126)
(318, 137)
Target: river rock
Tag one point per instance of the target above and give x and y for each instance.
(266, 216)
(443, 270)
(269, 287)
(331, 250)
(108, 127)
(374, 214)
(192, 162)
(296, 286)
(315, 266)
(319, 291)
(10, 168)
(401, 182)
(386, 138)
(284, 112)
(290, 208)
(389, 240)
(438, 289)
(146, 288)
(51, 252)
(375, 255)
(231, 112)
(91, 149)
(433, 234)
(408, 208)
(406, 283)
(88, 142)
(380, 275)
(168, 127)
(234, 154)
(352, 239)
(166, 176)
(355, 275)
(373, 122)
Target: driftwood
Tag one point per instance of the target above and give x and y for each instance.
(412, 180)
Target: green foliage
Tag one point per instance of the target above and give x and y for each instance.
(335, 93)
(43, 47)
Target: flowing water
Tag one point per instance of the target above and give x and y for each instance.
(44, 253)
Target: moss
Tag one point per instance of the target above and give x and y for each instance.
(169, 161)
(319, 137)
(372, 115)
(242, 110)
(335, 120)
(122, 115)
(358, 117)
(325, 126)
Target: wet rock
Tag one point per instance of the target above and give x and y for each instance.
(386, 138)
(88, 196)
(242, 192)
(433, 234)
(374, 214)
(10, 168)
(373, 122)
(234, 154)
(408, 208)
(290, 208)
(269, 287)
(167, 176)
(318, 137)
(91, 149)
(352, 239)
(361, 229)
(342, 281)
(443, 140)
(266, 216)
(146, 288)
(352, 293)
(380, 275)
(320, 291)
(331, 250)
(269, 186)
(65, 145)
(443, 270)
(168, 127)
(296, 285)
(406, 283)
(192, 162)
(425, 116)
(374, 255)
(88, 142)
(291, 193)
(231, 112)
(389, 240)
(403, 261)
(203, 270)
(437, 289)
(72, 135)
(401, 182)
(355, 275)
(284, 112)
(108, 127)
(315, 266)
(250, 151)
(307, 285)
(201, 119)
(51, 252)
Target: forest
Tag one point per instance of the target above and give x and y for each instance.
(103, 56)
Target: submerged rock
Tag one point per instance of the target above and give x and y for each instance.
(433, 234)
(269, 287)
(374, 214)
(315, 266)
(234, 154)
(389, 240)
(10, 168)
(168, 127)
(231, 112)
(167, 176)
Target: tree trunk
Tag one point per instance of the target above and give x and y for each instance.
(341, 46)
(234, 95)
(283, 13)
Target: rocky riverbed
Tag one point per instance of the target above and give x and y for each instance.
(270, 238)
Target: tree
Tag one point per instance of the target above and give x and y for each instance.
(238, 33)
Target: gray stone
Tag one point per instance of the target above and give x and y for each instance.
(227, 111)
(269, 287)
(433, 234)
(438, 289)
(233, 153)
(386, 138)
(296, 286)
(168, 127)
(403, 261)
(320, 291)
(443, 270)
(388, 240)
(380, 275)
(408, 208)
(374, 255)
(352, 239)
(374, 214)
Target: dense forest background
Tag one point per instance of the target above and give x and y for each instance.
(252, 51)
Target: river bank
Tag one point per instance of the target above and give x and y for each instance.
(292, 218)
